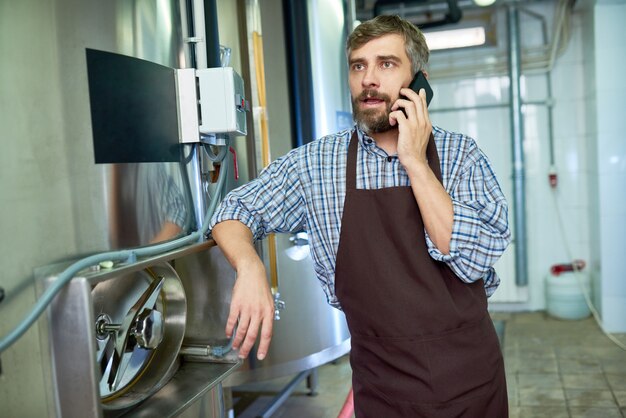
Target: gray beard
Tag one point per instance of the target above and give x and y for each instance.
(371, 121)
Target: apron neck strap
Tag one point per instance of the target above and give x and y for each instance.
(351, 166)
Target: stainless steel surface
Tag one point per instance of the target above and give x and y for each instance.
(72, 336)
(195, 171)
(69, 205)
(192, 383)
(210, 354)
(149, 203)
(331, 96)
(310, 332)
(73, 206)
(208, 304)
(148, 329)
(101, 274)
(119, 348)
(211, 405)
(131, 373)
(72, 343)
(517, 136)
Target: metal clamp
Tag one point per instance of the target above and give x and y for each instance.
(143, 323)
(300, 239)
(147, 330)
(279, 305)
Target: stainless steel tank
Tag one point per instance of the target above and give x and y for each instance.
(56, 203)
(310, 332)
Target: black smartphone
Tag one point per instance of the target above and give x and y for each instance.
(420, 82)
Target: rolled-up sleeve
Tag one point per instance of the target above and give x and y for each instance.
(273, 202)
(480, 231)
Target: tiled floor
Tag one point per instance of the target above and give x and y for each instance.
(555, 369)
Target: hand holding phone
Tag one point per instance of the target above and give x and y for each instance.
(414, 136)
(420, 82)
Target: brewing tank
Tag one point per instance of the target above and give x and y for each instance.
(59, 204)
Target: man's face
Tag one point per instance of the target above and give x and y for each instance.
(377, 72)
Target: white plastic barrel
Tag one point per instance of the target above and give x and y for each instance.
(564, 295)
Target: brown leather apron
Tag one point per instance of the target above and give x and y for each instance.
(423, 344)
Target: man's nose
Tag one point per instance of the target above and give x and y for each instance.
(370, 78)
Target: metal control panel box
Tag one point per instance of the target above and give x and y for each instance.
(222, 101)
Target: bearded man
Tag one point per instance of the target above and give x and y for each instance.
(405, 222)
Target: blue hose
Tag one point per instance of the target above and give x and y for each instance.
(122, 255)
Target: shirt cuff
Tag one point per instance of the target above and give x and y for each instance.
(465, 231)
(237, 214)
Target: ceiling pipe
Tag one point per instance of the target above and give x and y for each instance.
(452, 15)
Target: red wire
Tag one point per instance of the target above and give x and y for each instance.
(234, 162)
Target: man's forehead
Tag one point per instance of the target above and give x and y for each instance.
(391, 45)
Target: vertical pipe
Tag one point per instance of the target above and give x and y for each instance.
(299, 63)
(212, 34)
(202, 24)
(549, 99)
(517, 135)
(246, 74)
(192, 152)
(199, 49)
(350, 15)
(190, 32)
(194, 173)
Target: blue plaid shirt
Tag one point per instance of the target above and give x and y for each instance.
(305, 191)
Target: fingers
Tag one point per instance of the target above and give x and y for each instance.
(250, 333)
(249, 320)
(232, 321)
(266, 336)
(423, 108)
(414, 101)
(395, 115)
(414, 125)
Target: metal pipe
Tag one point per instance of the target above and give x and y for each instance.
(189, 29)
(544, 34)
(212, 34)
(490, 106)
(517, 135)
(194, 173)
(247, 75)
(462, 108)
(283, 395)
(197, 21)
(299, 64)
(350, 15)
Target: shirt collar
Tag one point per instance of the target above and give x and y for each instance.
(369, 144)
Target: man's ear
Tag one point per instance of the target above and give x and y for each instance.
(425, 74)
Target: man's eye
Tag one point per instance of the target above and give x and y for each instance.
(358, 67)
(387, 64)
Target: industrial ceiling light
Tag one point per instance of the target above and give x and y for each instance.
(484, 2)
(455, 38)
(422, 13)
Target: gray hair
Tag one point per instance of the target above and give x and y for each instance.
(414, 41)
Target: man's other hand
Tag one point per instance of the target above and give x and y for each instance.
(252, 310)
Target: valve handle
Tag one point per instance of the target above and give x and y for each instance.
(279, 305)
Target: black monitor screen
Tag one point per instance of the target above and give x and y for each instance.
(133, 109)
